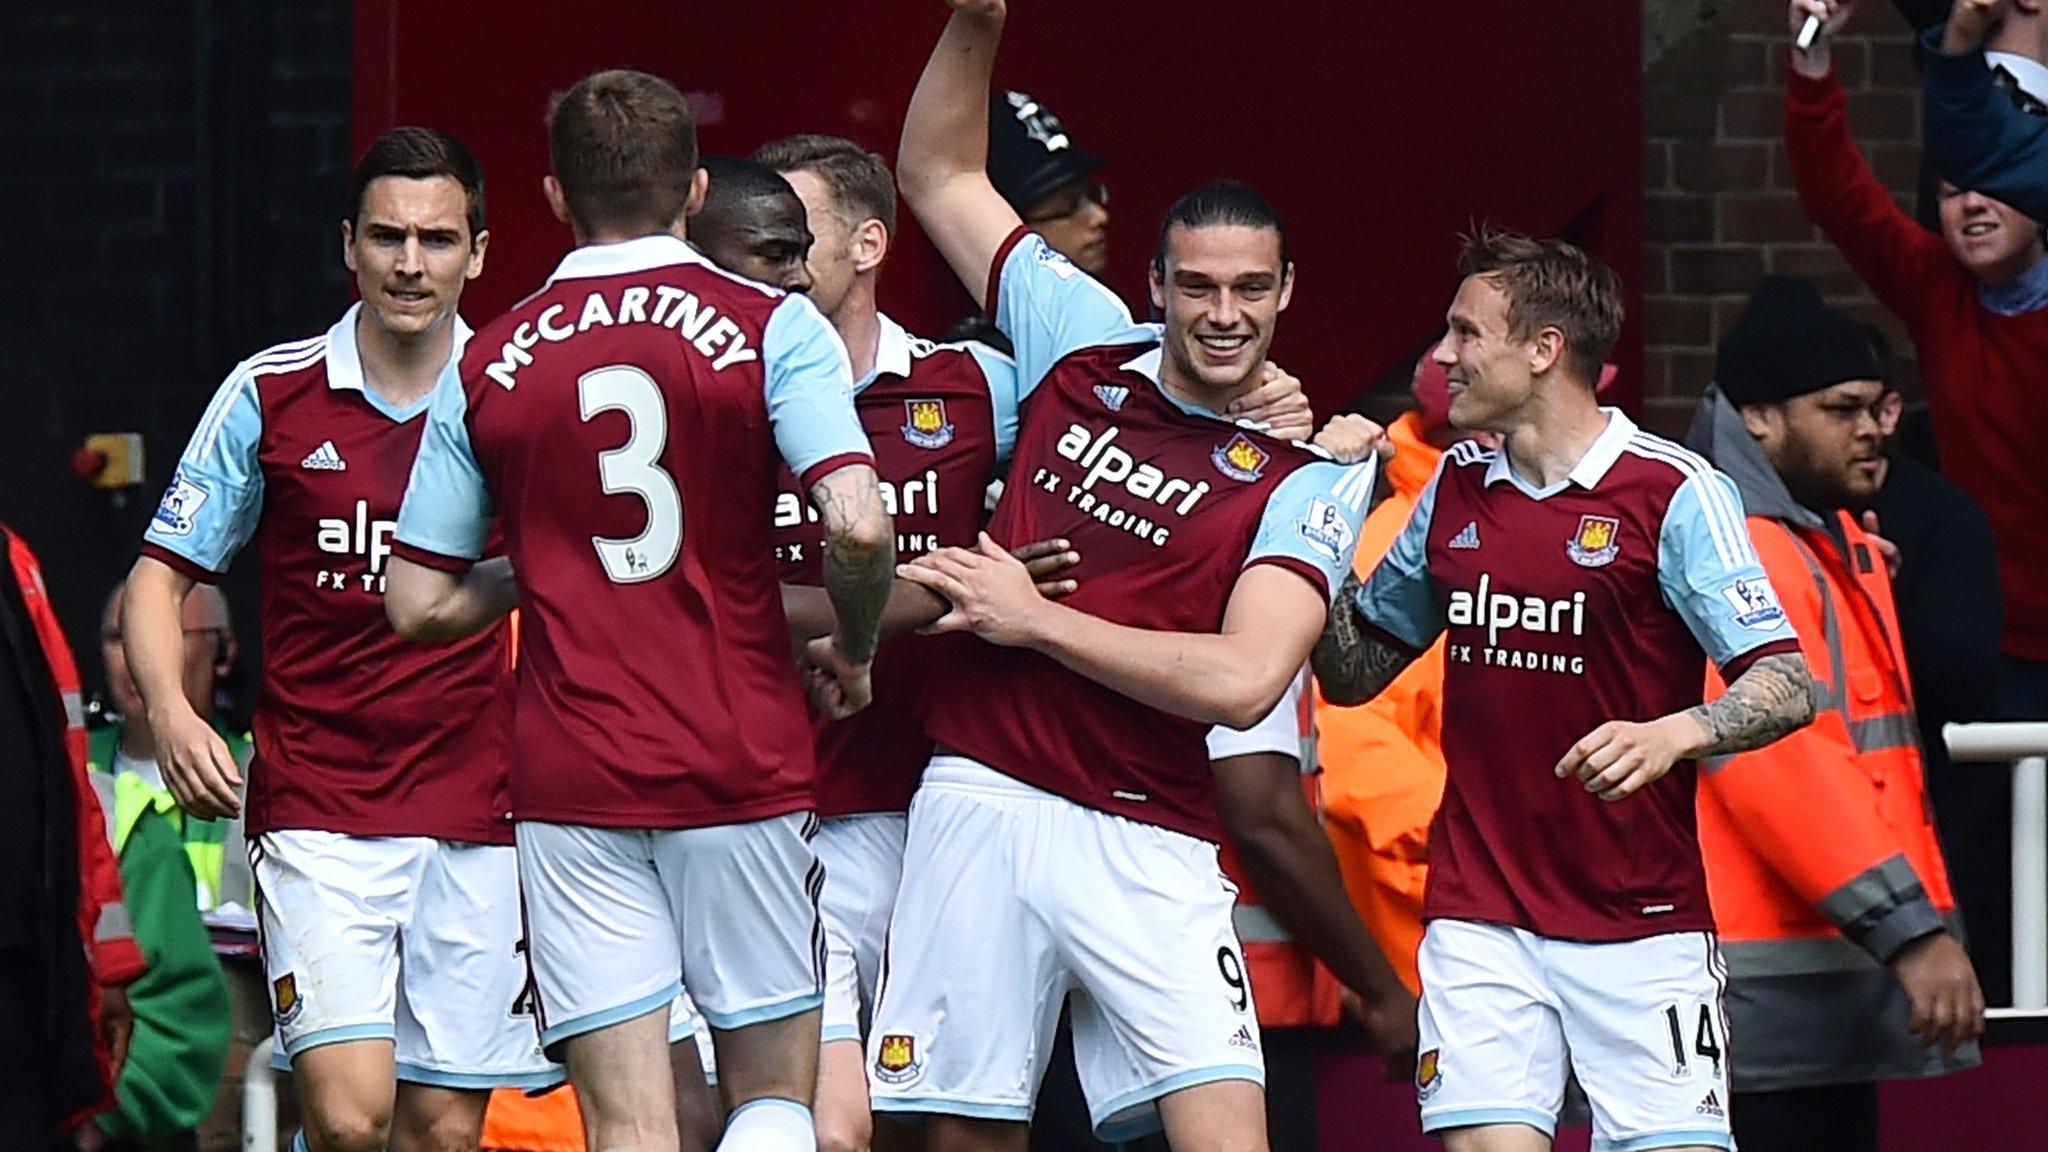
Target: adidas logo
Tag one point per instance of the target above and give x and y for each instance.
(1112, 396)
(324, 459)
(1711, 1106)
(1467, 537)
(1244, 1039)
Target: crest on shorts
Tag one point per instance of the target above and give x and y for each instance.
(1594, 545)
(1240, 459)
(896, 1059)
(925, 424)
(1428, 1073)
(284, 995)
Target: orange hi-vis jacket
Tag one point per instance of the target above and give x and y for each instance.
(1383, 761)
(1290, 987)
(1820, 849)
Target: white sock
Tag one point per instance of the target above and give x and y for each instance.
(770, 1124)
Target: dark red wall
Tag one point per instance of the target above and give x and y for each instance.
(1380, 131)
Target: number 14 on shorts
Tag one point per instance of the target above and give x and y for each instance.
(1703, 1022)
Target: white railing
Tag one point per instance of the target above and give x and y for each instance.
(2025, 745)
(259, 1099)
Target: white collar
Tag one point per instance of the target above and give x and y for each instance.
(626, 256)
(1145, 364)
(1591, 468)
(892, 352)
(345, 359)
(2031, 74)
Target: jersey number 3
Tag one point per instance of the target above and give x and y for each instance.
(635, 467)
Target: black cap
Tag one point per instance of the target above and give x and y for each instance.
(1788, 342)
(1029, 152)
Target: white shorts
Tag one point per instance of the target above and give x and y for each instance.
(1013, 900)
(407, 939)
(1506, 1014)
(863, 858)
(621, 919)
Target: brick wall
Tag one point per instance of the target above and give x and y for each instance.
(175, 169)
(1718, 204)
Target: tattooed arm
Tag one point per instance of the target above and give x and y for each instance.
(1772, 697)
(860, 563)
(1351, 664)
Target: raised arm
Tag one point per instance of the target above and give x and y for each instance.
(942, 161)
(1976, 136)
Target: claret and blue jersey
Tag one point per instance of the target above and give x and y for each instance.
(357, 731)
(628, 421)
(1599, 598)
(1167, 504)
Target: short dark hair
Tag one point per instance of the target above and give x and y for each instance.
(1224, 202)
(623, 144)
(419, 154)
(1550, 284)
(859, 179)
(734, 180)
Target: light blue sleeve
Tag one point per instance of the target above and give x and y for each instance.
(1001, 372)
(447, 509)
(1049, 308)
(216, 493)
(1312, 520)
(809, 388)
(1709, 572)
(1400, 597)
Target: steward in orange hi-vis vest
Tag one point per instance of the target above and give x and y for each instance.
(1822, 862)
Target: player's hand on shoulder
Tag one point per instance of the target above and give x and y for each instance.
(1947, 1003)
(838, 687)
(991, 592)
(1046, 560)
(1277, 406)
(197, 766)
(1352, 439)
(1622, 757)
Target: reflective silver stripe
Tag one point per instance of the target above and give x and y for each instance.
(1830, 695)
(1753, 958)
(1889, 882)
(1257, 926)
(74, 710)
(1884, 731)
(113, 924)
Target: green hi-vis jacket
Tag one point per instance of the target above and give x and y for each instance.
(182, 1015)
(204, 839)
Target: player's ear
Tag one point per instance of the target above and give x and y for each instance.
(476, 255)
(1286, 285)
(874, 245)
(348, 243)
(1546, 350)
(700, 183)
(1155, 279)
(557, 203)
